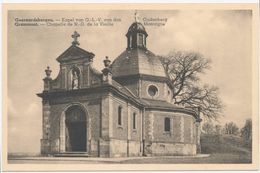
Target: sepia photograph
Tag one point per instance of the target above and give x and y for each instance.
(130, 87)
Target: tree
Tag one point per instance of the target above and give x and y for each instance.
(183, 69)
(208, 128)
(246, 132)
(231, 128)
(218, 129)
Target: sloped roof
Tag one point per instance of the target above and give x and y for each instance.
(74, 52)
(137, 61)
(123, 89)
(158, 103)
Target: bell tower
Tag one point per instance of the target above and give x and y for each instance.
(136, 35)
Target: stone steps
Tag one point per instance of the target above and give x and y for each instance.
(72, 154)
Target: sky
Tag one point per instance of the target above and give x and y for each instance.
(223, 36)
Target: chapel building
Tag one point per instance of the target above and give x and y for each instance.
(125, 110)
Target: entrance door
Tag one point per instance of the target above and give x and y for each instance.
(76, 130)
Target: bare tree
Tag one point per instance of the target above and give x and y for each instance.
(183, 69)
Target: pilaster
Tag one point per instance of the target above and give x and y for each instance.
(150, 126)
(129, 120)
(45, 141)
(182, 129)
(106, 126)
(62, 132)
(197, 124)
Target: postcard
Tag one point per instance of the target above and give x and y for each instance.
(130, 87)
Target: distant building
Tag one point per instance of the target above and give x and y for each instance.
(125, 110)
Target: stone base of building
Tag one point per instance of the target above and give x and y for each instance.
(45, 147)
(127, 148)
(120, 148)
(170, 149)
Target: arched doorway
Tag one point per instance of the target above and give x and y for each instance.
(75, 130)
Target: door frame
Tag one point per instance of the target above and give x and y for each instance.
(62, 146)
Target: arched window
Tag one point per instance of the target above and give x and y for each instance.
(140, 38)
(144, 42)
(130, 40)
(167, 125)
(134, 120)
(119, 118)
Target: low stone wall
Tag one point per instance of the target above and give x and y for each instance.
(168, 149)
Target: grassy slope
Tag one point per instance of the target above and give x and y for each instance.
(225, 149)
(226, 146)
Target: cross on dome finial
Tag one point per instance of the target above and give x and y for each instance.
(136, 16)
(75, 37)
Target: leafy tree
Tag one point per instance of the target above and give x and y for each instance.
(246, 132)
(218, 129)
(183, 69)
(208, 128)
(231, 128)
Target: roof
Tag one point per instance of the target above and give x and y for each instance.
(145, 102)
(74, 52)
(158, 103)
(153, 104)
(163, 105)
(137, 27)
(123, 89)
(137, 61)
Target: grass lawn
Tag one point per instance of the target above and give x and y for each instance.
(224, 158)
(213, 158)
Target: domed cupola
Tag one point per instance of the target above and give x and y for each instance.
(137, 59)
(136, 36)
(137, 68)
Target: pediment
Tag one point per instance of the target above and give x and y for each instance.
(75, 53)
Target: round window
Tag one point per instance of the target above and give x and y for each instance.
(152, 90)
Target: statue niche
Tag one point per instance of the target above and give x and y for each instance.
(75, 78)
